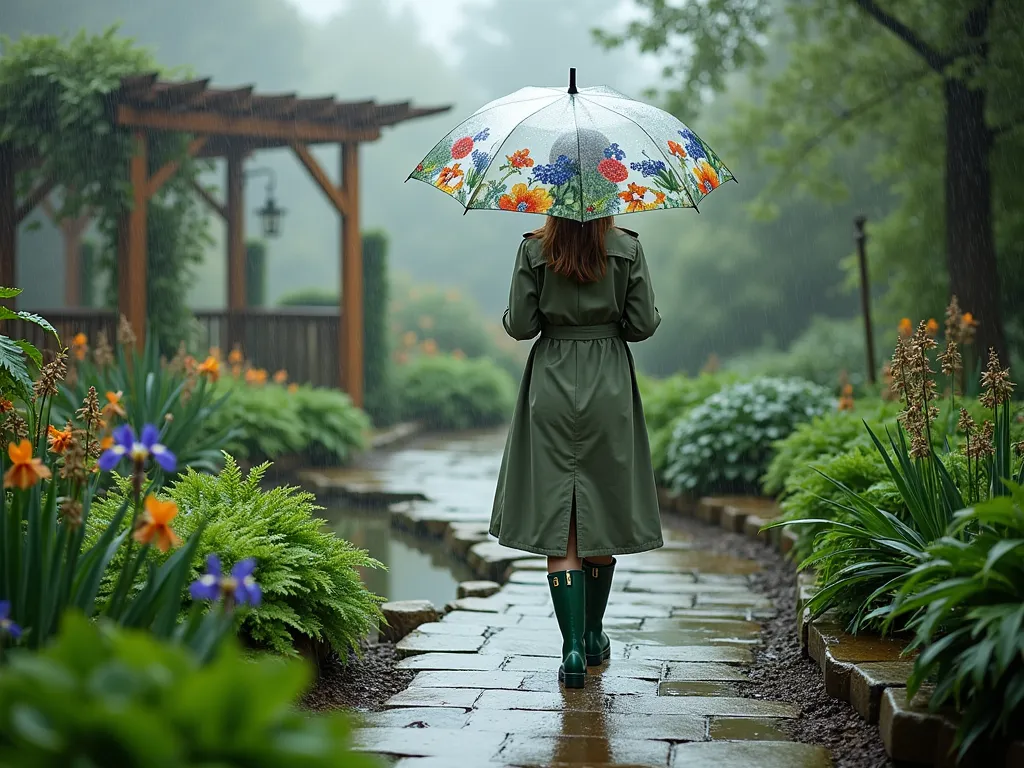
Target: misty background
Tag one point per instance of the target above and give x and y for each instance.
(729, 279)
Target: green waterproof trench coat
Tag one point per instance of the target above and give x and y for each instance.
(578, 429)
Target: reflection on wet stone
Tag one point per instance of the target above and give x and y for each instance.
(683, 624)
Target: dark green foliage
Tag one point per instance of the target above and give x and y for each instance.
(18, 358)
(310, 297)
(966, 605)
(103, 696)
(450, 393)
(667, 400)
(725, 444)
(268, 421)
(379, 399)
(311, 588)
(256, 273)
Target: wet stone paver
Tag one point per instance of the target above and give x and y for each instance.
(683, 624)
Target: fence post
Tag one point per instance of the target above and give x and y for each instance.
(865, 295)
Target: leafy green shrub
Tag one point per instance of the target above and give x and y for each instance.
(310, 584)
(100, 696)
(666, 400)
(270, 420)
(724, 444)
(17, 354)
(380, 400)
(447, 392)
(966, 601)
(184, 404)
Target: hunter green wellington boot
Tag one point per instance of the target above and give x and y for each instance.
(599, 585)
(567, 595)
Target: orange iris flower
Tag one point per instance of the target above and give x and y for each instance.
(25, 471)
(526, 200)
(6, 405)
(676, 149)
(281, 377)
(235, 358)
(210, 367)
(155, 527)
(968, 318)
(113, 405)
(60, 439)
(932, 327)
(906, 327)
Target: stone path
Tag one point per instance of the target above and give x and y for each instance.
(683, 624)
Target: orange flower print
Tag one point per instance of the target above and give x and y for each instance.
(520, 159)
(526, 200)
(155, 526)
(707, 179)
(25, 471)
(636, 198)
(450, 178)
(675, 148)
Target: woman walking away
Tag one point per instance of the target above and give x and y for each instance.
(576, 481)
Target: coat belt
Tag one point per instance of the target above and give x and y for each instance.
(582, 332)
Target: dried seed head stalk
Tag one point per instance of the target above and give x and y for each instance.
(996, 383)
(75, 459)
(965, 423)
(103, 354)
(950, 359)
(51, 374)
(1018, 449)
(125, 334)
(90, 413)
(71, 513)
(16, 426)
(983, 446)
(954, 320)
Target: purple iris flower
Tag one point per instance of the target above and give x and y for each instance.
(138, 450)
(239, 586)
(8, 627)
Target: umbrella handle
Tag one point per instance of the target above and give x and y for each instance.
(572, 80)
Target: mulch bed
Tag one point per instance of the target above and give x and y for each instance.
(363, 684)
(780, 671)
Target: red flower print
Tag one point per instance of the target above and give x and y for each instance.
(676, 149)
(462, 147)
(419, 168)
(520, 159)
(613, 170)
(590, 209)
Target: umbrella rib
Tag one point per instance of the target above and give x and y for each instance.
(485, 108)
(497, 152)
(668, 163)
(579, 160)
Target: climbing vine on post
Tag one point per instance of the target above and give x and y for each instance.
(53, 106)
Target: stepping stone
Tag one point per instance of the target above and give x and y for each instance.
(728, 599)
(732, 614)
(452, 628)
(435, 697)
(489, 559)
(529, 564)
(479, 618)
(689, 672)
(722, 706)
(583, 751)
(423, 642)
(642, 670)
(698, 688)
(415, 717)
(538, 578)
(747, 754)
(680, 637)
(870, 679)
(694, 653)
(404, 616)
(461, 536)
(525, 723)
(717, 627)
(453, 661)
(569, 699)
(437, 762)
(622, 686)
(635, 611)
(460, 679)
(477, 589)
(479, 605)
(747, 729)
(467, 747)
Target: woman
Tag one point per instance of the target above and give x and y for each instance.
(576, 481)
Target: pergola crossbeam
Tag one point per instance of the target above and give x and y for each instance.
(34, 198)
(210, 200)
(164, 174)
(338, 199)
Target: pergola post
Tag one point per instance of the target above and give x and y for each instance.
(131, 244)
(236, 247)
(350, 334)
(8, 220)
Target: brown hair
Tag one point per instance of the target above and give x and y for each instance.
(576, 250)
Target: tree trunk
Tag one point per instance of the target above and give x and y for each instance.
(970, 240)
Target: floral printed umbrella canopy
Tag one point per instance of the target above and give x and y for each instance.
(577, 154)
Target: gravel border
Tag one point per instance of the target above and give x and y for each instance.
(361, 685)
(780, 671)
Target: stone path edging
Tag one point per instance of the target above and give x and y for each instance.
(868, 672)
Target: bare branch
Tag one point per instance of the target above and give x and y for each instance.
(936, 60)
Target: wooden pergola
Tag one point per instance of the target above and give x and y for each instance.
(230, 124)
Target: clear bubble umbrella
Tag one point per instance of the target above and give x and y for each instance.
(578, 154)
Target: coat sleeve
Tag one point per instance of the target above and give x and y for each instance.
(640, 318)
(522, 318)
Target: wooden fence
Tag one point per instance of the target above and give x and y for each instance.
(303, 340)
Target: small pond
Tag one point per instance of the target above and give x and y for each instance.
(456, 473)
